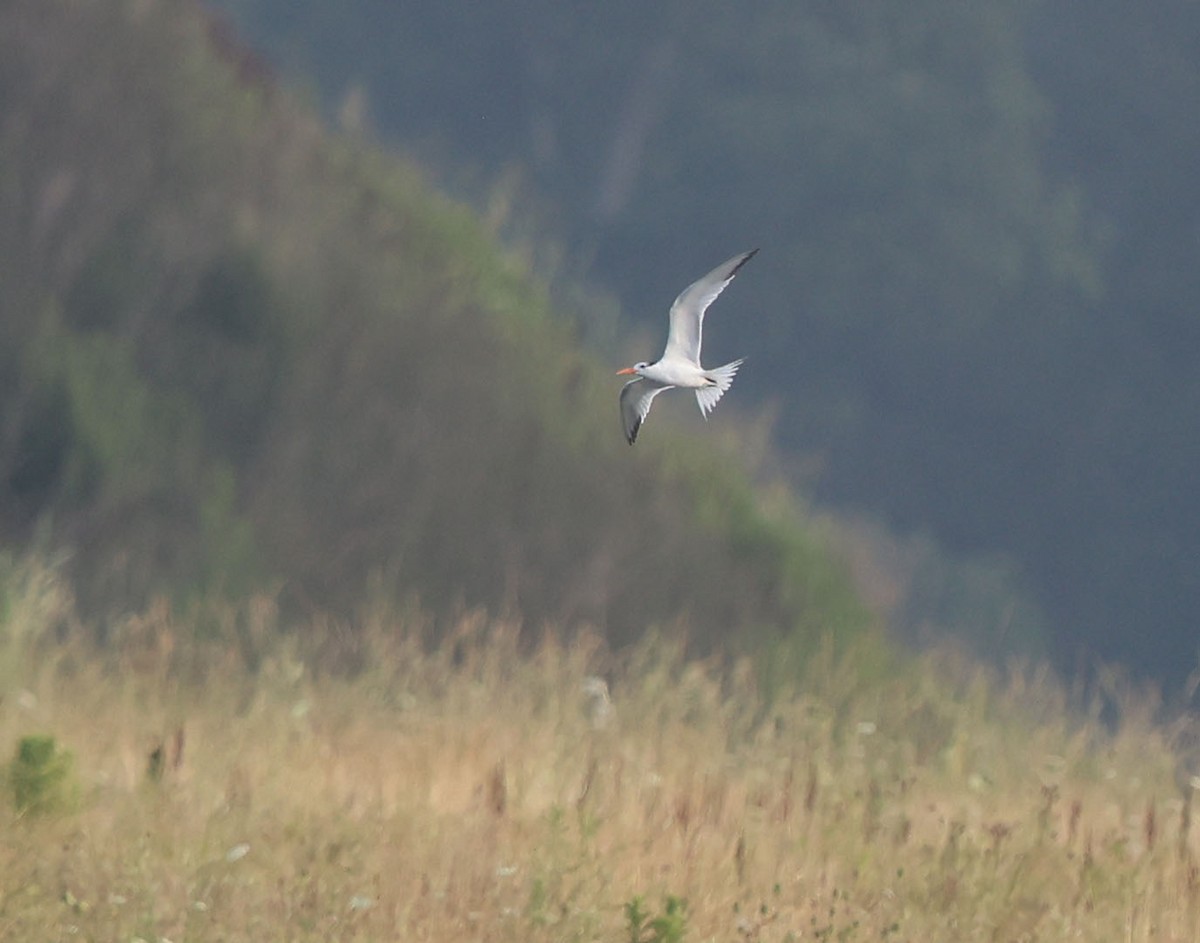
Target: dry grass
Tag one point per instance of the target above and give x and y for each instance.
(467, 794)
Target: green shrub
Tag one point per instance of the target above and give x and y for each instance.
(666, 927)
(42, 777)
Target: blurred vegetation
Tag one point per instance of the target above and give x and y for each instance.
(240, 352)
(466, 791)
(41, 777)
(977, 311)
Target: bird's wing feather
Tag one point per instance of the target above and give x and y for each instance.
(636, 397)
(687, 313)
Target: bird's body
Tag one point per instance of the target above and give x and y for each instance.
(679, 365)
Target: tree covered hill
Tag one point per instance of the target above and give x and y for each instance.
(240, 351)
(978, 314)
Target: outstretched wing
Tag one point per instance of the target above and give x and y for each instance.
(636, 397)
(687, 313)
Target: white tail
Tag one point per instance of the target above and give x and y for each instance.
(708, 396)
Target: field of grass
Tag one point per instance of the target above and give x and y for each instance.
(355, 785)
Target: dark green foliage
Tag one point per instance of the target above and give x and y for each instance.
(41, 776)
(42, 443)
(107, 285)
(226, 350)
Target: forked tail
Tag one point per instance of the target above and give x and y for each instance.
(722, 378)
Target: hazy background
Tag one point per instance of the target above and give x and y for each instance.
(320, 543)
(975, 314)
(239, 351)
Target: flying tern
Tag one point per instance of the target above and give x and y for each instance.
(679, 366)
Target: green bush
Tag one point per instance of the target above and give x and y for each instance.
(666, 927)
(42, 777)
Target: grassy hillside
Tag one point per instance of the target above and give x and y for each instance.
(239, 351)
(241, 790)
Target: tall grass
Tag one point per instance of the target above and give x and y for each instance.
(245, 783)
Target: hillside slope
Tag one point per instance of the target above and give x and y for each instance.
(978, 309)
(238, 350)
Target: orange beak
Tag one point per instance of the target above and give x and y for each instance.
(626, 371)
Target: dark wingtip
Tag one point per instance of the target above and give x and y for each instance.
(746, 258)
(631, 435)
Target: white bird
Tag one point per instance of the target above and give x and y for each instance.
(680, 363)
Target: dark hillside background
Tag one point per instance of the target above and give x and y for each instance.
(976, 315)
(239, 352)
